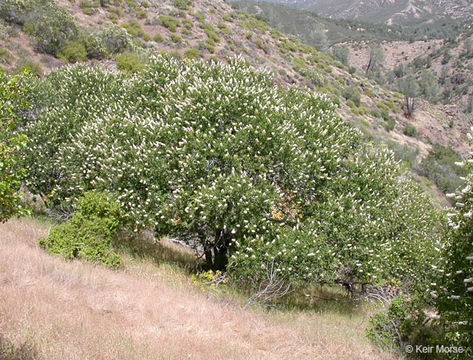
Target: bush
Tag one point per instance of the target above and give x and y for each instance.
(129, 62)
(351, 93)
(401, 324)
(94, 46)
(175, 38)
(439, 167)
(73, 51)
(115, 39)
(193, 54)
(88, 234)
(453, 290)
(133, 28)
(410, 130)
(50, 25)
(12, 102)
(280, 180)
(169, 22)
(6, 57)
(182, 4)
(158, 38)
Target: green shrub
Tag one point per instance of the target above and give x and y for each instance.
(115, 39)
(351, 93)
(223, 28)
(73, 52)
(182, 4)
(88, 7)
(133, 28)
(401, 324)
(50, 26)
(193, 54)
(410, 130)
(6, 57)
(129, 62)
(210, 31)
(175, 38)
(439, 167)
(94, 46)
(12, 102)
(187, 24)
(259, 43)
(389, 124)
(158, 38)
(169, 22)
(89, 233)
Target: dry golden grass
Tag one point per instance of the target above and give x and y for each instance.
(54, 309)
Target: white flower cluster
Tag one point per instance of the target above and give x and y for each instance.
(215, 154)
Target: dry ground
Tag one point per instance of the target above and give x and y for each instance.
(55, 309)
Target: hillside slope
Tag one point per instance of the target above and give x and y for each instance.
(203, 29)
(54, 309)
(387, 11)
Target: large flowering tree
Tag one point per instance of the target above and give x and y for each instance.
(251, 174)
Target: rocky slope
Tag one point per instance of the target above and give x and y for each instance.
(387, 11)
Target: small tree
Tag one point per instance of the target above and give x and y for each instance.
(375, 59)
(429, 87)
(341, 53)
(410, 88)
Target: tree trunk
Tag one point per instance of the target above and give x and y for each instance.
(222, 244)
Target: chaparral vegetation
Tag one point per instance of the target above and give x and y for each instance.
(256, 178)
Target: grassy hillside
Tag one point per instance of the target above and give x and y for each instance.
(151, 309)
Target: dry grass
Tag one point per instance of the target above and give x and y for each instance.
(53, 309)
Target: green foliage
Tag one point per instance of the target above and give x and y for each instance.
(259, 43)
(175, 38)
(129, 62)
(158, 38)
(169, 22)
(193, 54)
(256, 175)
(133, 28)
(401, 323)
(12, 100)
(351, 93)
(51, 26)
(454, 289)
(182, 4)
(341, 53)
(429, 87)
(73, 52)
(88, 234)
(210, 31)
(11, 176)
(410, 130)
(6, 57)
(439, 167)
(114, 39)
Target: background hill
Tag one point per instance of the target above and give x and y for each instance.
(388, 11)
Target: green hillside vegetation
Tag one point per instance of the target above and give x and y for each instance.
(169, 130)
(268, 184)
(308, 26)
